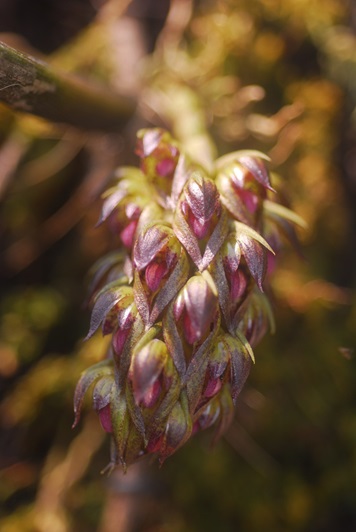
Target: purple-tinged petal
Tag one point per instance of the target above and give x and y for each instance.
(165, 167)
(202, 197)
(200, 307)
(146, 367)
(147, 141)
(209, 415)
(154, 273)
(212, 388)
(178, 429)
(152, 394)
(149, 243)
(87, 378)
(256, 259)
(253, 247)
(102, 392)
(238, 285)
(182, 173)
(127, 235)
(118, 340)
(111, 202)
(256, 318)
(174, 283)
(240, 362)
(258, 169)
(250, 200)
(109, 297)
(105, 418)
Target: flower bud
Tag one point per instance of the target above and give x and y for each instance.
(158, 152)
(196, 308)
(161, 269)
(200, 222)
(159, 156)
(256, 318)
(178, 428)
(242, 185)
(105, 418)
(146, 370)
(217, 366)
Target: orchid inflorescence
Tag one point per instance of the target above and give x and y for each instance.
(184, 302)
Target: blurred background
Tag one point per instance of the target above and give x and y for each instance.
(273, 75)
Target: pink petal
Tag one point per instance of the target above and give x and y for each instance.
(105, 418)
(165, 167)
(200, 227)
(213, 387)
(154, 274)
(151, 396)
(155, 444)
(238, 285)
(250, 200)
(192, 334)
(127, 235)
(119, 339)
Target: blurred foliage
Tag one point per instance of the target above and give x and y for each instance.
(274, 75)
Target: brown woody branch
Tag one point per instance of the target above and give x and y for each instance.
(32, 86)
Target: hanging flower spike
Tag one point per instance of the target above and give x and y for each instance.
(185, 300)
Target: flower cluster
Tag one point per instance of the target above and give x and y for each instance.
(184, 303)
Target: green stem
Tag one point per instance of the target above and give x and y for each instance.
(30, 85)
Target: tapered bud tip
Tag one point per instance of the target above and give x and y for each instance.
(76, 419)
(202, 197)
(258, 169)
(151, 242)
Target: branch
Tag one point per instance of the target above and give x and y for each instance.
(30, 85)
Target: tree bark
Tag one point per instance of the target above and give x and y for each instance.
(32, 86)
